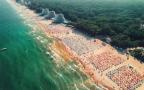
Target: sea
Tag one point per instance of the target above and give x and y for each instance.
(27, 64)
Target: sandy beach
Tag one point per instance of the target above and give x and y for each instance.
(102, 63)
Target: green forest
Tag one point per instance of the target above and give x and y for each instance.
(138, 53)
(120, 20)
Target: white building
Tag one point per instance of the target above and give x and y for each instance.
(142, 26)
(51, 15)
(60, 19)
(44, 12)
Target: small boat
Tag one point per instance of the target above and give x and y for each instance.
(3, 49)
(47, 53)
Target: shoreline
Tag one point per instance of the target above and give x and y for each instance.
(62, 48)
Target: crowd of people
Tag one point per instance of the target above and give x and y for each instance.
(126, 77)
(105, 60)
(58, 29)
(80, 45)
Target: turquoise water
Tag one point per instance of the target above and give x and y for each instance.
(21, 66)
(25, 64)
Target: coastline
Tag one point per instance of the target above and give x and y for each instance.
(62, 50)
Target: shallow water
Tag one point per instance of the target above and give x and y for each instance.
(25, 64)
